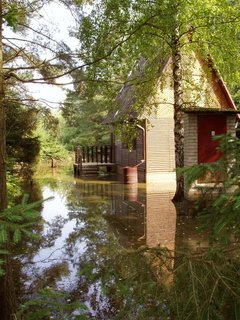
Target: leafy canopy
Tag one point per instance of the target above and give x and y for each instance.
(115, 35)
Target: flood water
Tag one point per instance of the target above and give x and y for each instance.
(91, 257)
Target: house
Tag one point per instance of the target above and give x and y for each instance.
(208, 110)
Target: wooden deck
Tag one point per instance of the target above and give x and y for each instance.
(91, 160)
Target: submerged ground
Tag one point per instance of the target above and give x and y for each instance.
(92, 255)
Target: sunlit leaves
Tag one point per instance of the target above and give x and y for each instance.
(117, 34)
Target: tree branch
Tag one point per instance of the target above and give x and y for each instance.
(32, 42)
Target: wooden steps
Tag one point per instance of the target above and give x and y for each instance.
(89, 169)
(92, 169)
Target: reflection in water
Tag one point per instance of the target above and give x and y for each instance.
(94, 245)
(160, 220)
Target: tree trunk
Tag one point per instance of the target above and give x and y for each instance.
(54, 163)
(178, 114)
(3, 183)
(8, 298)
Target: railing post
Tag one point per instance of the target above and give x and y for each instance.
(111, 155)
(101, 154)
(83, 154)
(88, 155)
(78, 156)
(78, 161)
(75, 153)
(106, 154)
(96, 149)
(92, 151)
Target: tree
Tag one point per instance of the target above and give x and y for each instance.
(116, 34)
(21, 121)
(3, 182)
(48, 133)
(83, 116)
(30, 55)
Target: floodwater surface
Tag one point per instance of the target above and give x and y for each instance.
(92, 259)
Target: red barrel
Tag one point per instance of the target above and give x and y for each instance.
(130, 175)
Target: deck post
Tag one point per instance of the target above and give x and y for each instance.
(101, 154)
(92, 153)
(111, 155)
(88, 154)
(83, 154)
(106, 154)
(96, 150)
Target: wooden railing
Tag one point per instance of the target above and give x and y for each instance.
(94, 154)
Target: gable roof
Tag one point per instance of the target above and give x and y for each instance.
(126, 99)
(219, 81)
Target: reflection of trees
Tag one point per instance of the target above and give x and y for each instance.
(58, 179)
(114, 281)
(12, 285)
(101, 262)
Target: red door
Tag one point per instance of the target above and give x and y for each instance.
(208, 127)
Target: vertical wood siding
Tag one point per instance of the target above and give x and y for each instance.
(124, 157)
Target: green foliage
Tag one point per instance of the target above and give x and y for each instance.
(52, 304)
(16, 222)
(12, 14)
(210, 277)
(50, 138)
(126, 132)
(116, 35)
(13, 186)
(236, 95)
(21, 121)
(83, 119)
(220, 215)
(206, 285)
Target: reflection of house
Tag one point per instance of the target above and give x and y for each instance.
(160, 220)
(126, 214)
(143, 217)
(148, 217)
(208, 111)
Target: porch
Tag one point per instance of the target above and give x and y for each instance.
(89, 160)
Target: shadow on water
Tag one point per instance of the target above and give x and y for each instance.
(93, 246)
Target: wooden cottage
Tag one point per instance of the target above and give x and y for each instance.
(208, 110)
